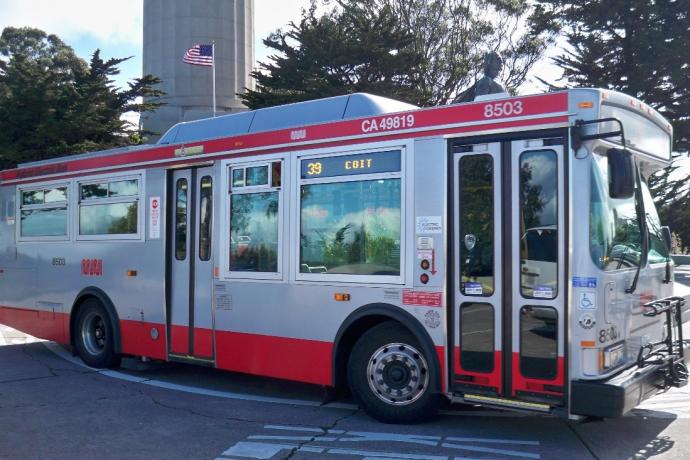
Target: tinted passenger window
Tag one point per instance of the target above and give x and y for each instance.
(109, 208)
(44, 222)
(538, 342)
(539, 224)
(351, 228)
(476, 225)
(254, 232)
(477, 337)
(108, 219)
(255, 218)
(44, 212)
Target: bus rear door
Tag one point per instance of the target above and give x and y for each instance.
(191, 268)
(508, 282)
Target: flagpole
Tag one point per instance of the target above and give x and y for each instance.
(213, 55)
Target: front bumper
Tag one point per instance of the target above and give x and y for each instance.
(617, 395)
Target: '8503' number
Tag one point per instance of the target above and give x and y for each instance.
(501, 109)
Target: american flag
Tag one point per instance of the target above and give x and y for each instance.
(199, 55)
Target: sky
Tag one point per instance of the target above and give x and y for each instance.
(84, 26)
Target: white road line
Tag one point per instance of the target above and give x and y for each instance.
(296, 428)
(262, 437)
(385, 438)
(61, 352)
(496, 441)
(489, 450)
(64, 354)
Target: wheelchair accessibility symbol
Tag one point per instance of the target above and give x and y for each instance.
(588, 300)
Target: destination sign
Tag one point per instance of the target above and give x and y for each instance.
(349, 165)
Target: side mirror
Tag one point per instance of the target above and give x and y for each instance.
(621, 173)
(666, 236)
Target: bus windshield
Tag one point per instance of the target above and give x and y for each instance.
(615, 237)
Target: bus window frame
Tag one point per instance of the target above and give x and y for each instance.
(339, 278)
(18, 207)
(142, 205)
(226, 191)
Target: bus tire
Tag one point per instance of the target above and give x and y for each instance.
(95, 340)
(390, 377)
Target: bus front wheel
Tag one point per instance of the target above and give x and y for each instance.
(95, 336)
(390, 376)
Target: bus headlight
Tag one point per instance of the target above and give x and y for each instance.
(612, 356)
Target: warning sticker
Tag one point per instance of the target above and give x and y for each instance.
(425, 299)
(155, 218)
(473, 288)
(429, 224)
(424, 254)
(543, 292)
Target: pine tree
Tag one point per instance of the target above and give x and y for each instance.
(53, 103)
(420, 51)
(638, 47)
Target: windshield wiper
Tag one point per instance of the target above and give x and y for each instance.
(642, 216)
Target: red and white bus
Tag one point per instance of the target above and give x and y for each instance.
(504, 252)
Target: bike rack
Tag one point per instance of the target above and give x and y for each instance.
(669, 354)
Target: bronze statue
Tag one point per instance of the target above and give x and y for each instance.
(486, 85)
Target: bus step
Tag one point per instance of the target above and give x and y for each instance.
(188, 359)
(505, 403)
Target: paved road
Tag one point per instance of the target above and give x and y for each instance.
(682, 274)
(51, 406)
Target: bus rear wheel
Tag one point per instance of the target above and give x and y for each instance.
(391, 377)
(95, 336)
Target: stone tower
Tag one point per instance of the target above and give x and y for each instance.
(173, 26)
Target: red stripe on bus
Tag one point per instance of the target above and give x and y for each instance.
(203, 342)
(522, 383)
(38, 323)
(179, 339)
(105, 168)
(441, 353)
(137, 339)
(490, 379)
(544, 105)
(302, 360)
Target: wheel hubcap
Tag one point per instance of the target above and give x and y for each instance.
(397, 374)
(93, 333)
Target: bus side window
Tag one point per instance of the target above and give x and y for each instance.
(538, 342)
(205, 217)
(44, 212)
(476, 225)
(350, 214)
(255, 218)
(109, 208)
(539, 224)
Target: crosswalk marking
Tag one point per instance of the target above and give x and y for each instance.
(10, 336)
(388, 446)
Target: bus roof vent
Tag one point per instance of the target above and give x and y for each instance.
(285, 116)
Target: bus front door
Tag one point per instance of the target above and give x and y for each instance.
(509, 271)
(190, 316)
